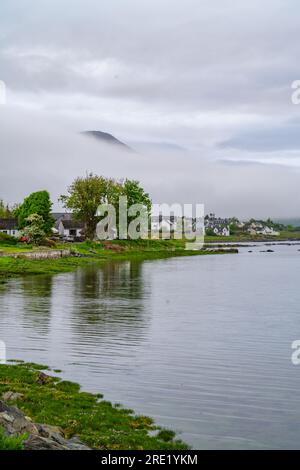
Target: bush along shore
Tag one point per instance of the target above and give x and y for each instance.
(14, 260)
(42, 412)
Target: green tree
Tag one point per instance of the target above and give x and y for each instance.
(34, 229)
(83, 199)
(37, 203)
(5, 211)
(86, 194)
(136, 194)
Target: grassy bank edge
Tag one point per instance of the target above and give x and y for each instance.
(96, 421)
(96, 253)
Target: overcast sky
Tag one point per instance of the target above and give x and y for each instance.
(213, 77)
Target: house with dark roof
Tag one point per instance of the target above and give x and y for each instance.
(217, 225)
(10, 227)
(59, 216)
(70, 228)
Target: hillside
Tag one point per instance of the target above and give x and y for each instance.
(107, 139)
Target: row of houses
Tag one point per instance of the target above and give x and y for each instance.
(217, 225)
(221, 227)
(68, 228)
(64, 226)
(261, 229)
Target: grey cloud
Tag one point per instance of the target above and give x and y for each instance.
(41, 153)
(194, 54)
(269, 139)
(193, 74)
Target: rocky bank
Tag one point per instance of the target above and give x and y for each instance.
(38, 436)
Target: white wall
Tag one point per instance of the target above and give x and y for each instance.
(12, 233)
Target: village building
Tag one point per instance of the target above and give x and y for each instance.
(260, 229)
(70, 229)
(220, 227)
(10, 227)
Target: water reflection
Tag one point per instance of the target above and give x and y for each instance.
(111, 300)
(37, 302)
(79, 315)
(31, 297)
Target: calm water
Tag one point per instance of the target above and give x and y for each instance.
(201, 344)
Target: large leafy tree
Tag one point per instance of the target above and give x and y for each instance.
(83, 199)
(37, 203)
(136, 194)
(86, 194)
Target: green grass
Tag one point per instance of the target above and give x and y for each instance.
(95, 252)
(97, 422)
(11, 442)
(17, 266)
(19, 248)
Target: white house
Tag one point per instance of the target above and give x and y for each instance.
(222, 231)
(260, 229)
(70, 228)
(10, 227)
(268, 231)
(219, 226)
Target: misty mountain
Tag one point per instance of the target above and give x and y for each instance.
(106, 138)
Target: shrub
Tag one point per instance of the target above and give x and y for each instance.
(209, 232)
(7, 239)
(34, 230)
(166, 435)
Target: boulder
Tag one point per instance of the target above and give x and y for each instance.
(42, 443)
(40, 436)
(43, 378)
(12, 396)
(75, 444)
(14, 421)
(51, 443)
(51, 432)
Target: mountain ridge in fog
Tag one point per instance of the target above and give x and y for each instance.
(107, 138)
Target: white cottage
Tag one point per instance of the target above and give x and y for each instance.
(10, 227)
(70, 228)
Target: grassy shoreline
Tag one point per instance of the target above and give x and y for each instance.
(95, 421)
(95, 253)
(247, 238)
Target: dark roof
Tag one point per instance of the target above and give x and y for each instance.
(8, 224)
(72, 224)
(61, 215)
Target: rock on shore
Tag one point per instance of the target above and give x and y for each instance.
(39, 436)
